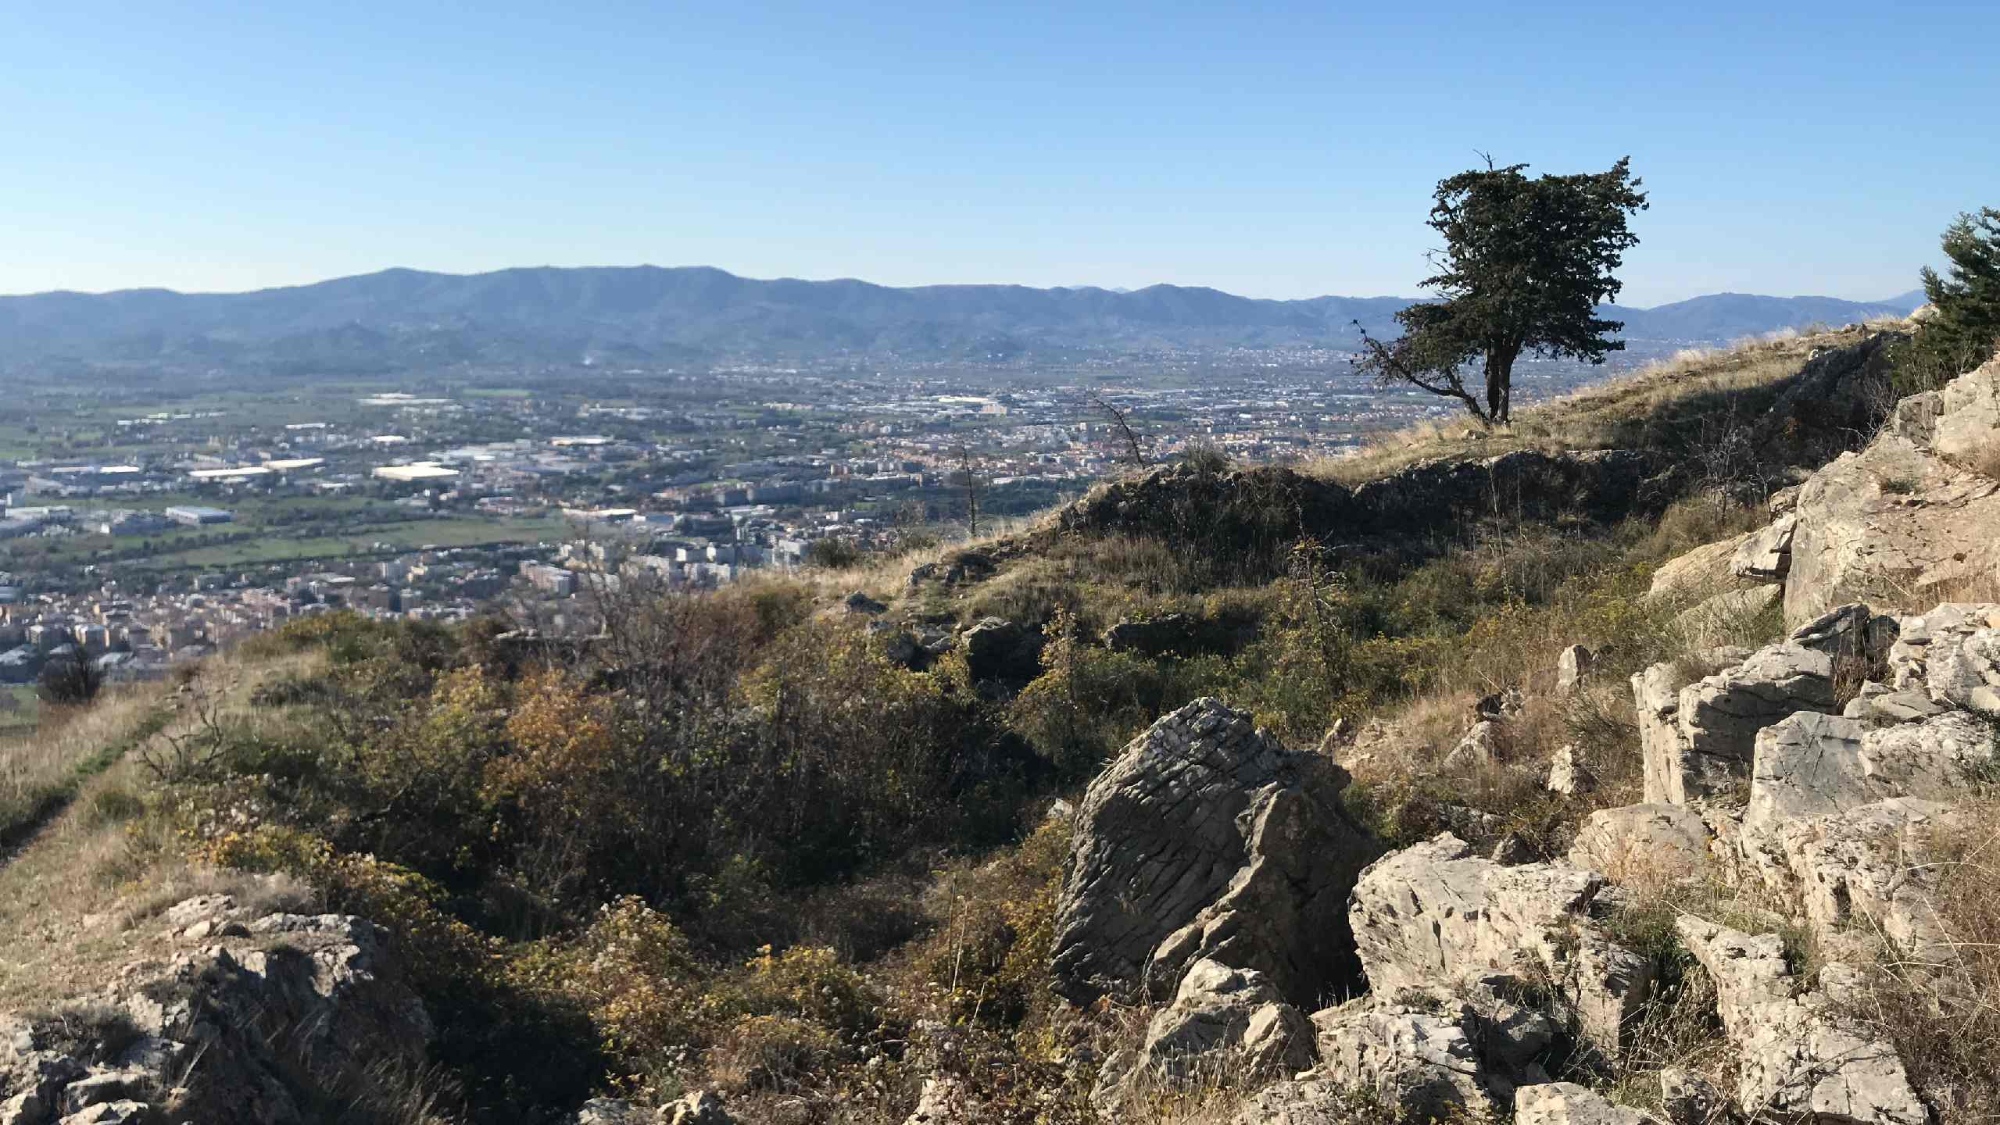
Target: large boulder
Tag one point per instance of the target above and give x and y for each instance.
(1797, 1059)
(1910, 516)
(1207, 839)
(1436, 915)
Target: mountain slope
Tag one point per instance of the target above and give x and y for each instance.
(403, 316)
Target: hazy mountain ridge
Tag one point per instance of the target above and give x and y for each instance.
(402, 316)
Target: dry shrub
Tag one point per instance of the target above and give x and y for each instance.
(986, 960)
(769, 1052)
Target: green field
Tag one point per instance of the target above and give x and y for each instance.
(466, 531)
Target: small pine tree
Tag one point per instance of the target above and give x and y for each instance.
(1964, 327)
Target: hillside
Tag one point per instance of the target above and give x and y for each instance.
(1631, 766)
(407, 317)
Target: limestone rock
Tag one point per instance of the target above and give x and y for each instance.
(1208, 832)
(1812, 765)
(1481, 746)
(1868, 867)
(703, 1107)
(944, 1100)
(1656, 693)
(1568, 775)
(1700, 573)
(1796, 1060)
(1939, 637)
(1572, 665)
(1652, 843)
(1566, 1103)
(612, 1111)
(1423, 1062)
(1219, 1009)
(1002, 652)
(1715, 620)
(1905, 517)
(122, 1112)
(1690, 1099)
(292, 1013)
(1306, 1100)
(1700, 739)
(1434, 915)
(1767, 555)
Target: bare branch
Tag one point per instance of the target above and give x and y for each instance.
(1118, 420)
(1391, 369)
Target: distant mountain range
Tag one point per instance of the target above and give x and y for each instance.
(400, 318)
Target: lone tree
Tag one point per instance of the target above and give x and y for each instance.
(69, 679)
(1525, 264)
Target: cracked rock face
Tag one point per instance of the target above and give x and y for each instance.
(1438, 916)
(1699, 739)
(1909, 515)
(1423, 1062)
(1797, 1060)
(1811, 765)
(1207, 840)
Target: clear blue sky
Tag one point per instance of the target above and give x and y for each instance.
(1274, 149)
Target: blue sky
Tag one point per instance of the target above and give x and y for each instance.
(1273, 149)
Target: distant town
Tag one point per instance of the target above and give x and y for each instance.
(147, 528)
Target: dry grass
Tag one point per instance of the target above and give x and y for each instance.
(76, 900)
(1944, 1017)
(1599, 416)
(39, 771)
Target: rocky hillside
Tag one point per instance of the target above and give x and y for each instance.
(1626, 783)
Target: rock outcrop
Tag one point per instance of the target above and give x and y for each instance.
(1220, 1016)
(1910, 516)
(1437, 916)
(1698, 738)
(1703, 572)
(1796, 1059)
(1002, 652)
(280, 1016)
(1252, 514)
(1207, 840)
(1566, 1103)
(1655, 843)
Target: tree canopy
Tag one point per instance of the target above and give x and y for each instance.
(1963, 328)
(1526, 263)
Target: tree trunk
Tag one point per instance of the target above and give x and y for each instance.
(1500, 384)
